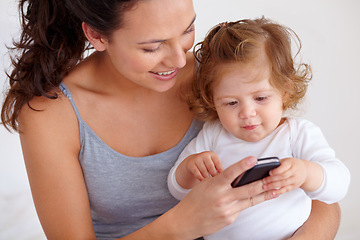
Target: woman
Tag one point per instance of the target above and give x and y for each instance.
(100, 135)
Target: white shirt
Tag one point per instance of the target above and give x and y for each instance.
(281, 217)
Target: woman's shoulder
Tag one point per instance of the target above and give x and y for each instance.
(48, 127)
(47, 115)
(42, 108)
(44, 105)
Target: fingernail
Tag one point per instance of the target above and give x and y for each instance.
(251, 161)
(274, 195)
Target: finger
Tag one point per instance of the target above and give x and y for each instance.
(249, 190)
(202, 169)
(284, 166)
(284, 175)
(279, 170)
(282, 190)
(288, 183)
(211, 168)
(275, 178)
(285, 189)
(243, 204)
(229, 174)
(198, 176)
(214, 165)
(264, 197)
(196, 172)
(217, 163)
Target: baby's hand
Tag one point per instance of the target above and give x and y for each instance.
(203, 165)
(291, 174)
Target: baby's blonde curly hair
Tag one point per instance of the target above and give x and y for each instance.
(241, 41)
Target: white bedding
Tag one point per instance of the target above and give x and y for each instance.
(18, 218)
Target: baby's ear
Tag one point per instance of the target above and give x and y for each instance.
(94, 37)
(285, 99)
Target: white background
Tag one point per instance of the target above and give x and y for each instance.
(330, 32)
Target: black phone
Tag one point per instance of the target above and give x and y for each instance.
(259, 171)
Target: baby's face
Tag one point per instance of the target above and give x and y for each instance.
(248, 106)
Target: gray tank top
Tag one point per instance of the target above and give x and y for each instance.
(125, 193)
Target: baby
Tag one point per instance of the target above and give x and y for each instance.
(246, 80)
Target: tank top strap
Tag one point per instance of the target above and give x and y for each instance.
(68, 94)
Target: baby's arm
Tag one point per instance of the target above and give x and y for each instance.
(201, 145)
(196, 167)
(322, 176)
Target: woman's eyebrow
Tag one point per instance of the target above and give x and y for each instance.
(163, 40)
(152, 41)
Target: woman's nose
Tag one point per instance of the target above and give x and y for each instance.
(176, 56)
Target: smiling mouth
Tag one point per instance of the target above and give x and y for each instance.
(164, 73)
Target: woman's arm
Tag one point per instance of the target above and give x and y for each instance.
(322, 224)
(50, 143)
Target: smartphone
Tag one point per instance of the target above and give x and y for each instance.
(259, 171)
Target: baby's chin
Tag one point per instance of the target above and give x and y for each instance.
(252, 137)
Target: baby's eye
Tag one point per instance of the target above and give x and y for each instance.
(232, 103)
(261, 99)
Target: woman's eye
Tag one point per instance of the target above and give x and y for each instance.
(190, 30)
(152, 50)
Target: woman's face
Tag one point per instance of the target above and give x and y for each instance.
(151, 46)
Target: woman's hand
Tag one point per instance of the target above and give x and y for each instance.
(214, 204)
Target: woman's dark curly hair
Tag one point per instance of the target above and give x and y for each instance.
(51, 43)
(241, 41)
